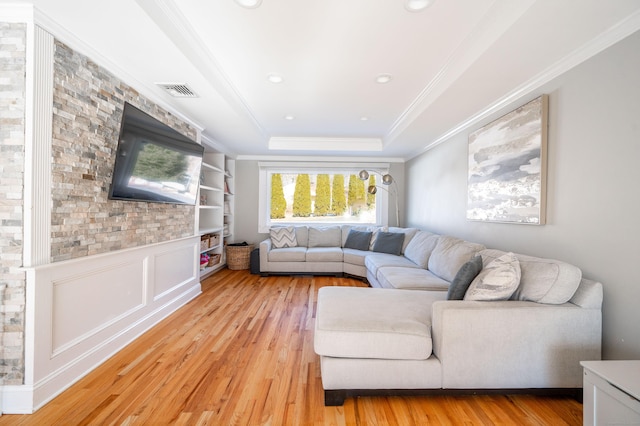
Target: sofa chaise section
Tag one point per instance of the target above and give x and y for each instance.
(533, 342)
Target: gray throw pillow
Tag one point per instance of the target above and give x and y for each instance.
(358, 240)
(466, 274)
(389, 242)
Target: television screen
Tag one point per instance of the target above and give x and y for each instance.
(154, 162)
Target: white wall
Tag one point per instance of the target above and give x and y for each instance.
(593, 197)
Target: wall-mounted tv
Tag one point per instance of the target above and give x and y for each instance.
(154, 162)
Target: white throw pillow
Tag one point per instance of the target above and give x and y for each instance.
(283, 237)
(497, 281)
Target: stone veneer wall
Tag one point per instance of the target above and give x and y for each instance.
(87, 108)
(12, 142)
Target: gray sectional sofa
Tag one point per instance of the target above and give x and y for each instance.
(405, 335)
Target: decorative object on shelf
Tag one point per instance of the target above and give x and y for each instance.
(507, 167)
(238, 255)
(203, 200)
(226, 188)
(387, 181)
(204, 260)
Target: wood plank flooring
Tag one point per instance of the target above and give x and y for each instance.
(242, 354)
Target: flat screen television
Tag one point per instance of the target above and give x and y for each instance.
(154, 162)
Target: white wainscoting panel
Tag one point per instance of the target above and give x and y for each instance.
(173, 268)
(85, 310)
(100, 298)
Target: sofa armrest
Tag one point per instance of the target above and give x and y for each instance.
(265, 247)
(513, 344)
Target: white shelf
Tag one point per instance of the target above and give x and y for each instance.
(209, 188)
(215, 216)
(212, 167)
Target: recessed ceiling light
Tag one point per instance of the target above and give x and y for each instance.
(289, 117)
(383, 78)
(417, 5)
(275, 78)
(364, 118)
(249, 4)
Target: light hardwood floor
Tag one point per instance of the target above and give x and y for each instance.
(242, 354)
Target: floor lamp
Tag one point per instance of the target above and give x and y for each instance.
(387, 181)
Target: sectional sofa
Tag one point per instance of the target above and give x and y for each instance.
(443, 314)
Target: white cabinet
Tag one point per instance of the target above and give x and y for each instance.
(211, 213)
(611, 392)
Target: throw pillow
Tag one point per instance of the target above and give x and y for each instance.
(358, 240)
(466, 274)
(497, 281)
(283, 237)
(328, 236)
(389, 242)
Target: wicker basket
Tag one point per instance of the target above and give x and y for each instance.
(214, 259)
(238, 257)
(204, 242)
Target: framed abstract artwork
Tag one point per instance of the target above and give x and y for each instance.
(507, 167)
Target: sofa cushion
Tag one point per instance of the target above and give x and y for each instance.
(289, 254)
(543, 280)
(330, 236)
(375, 261)
(324, 254)
(354, 257)
(358, 240)
(450, 254)
(409, 233)
(411, 279)
(420, 247)
(467, 273)
(497, 281)
(354, 322)
(282, 237)
(389, 242)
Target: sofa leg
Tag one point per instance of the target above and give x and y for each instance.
(334, 398)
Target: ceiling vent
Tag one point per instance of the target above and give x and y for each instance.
(178, 90)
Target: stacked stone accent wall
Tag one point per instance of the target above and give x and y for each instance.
(87, 109)
(12, 143)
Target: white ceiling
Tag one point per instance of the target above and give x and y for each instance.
(448, 63)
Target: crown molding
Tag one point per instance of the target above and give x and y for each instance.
(613, 35)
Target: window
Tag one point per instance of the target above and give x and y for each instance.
(318, 194)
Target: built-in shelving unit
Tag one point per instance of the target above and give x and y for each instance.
(215, 211)
(229, 205)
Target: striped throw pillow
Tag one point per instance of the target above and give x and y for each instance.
(283, 237)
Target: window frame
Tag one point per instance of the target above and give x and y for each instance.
(265, 169)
